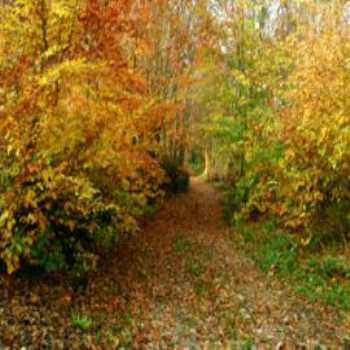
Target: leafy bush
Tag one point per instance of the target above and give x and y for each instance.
(289, 142)
(316, 130)
(177, 178)
(56, 220)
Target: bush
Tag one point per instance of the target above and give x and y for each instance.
(296, 161)
(177, 179)
(55, 221)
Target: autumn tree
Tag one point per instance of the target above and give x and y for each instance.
(78, 128)
(279, 112)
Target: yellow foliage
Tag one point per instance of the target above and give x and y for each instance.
(79, 129)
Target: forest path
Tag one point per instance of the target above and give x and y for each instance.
(198, 288)
(182, 283)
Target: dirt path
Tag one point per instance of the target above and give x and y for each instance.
(181, 283)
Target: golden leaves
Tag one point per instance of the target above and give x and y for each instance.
(75, 153)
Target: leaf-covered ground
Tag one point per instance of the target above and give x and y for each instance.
(180, 283)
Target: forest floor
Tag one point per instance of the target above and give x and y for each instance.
(182, 282)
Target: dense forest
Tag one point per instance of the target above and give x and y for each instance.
(132, 131)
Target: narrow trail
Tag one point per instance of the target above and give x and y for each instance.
(198, 289)
(180, 283)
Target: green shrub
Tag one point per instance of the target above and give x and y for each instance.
(235, 198)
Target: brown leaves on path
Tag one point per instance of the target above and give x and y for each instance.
(181, 283)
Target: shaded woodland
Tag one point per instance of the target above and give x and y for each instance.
(109, 109)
